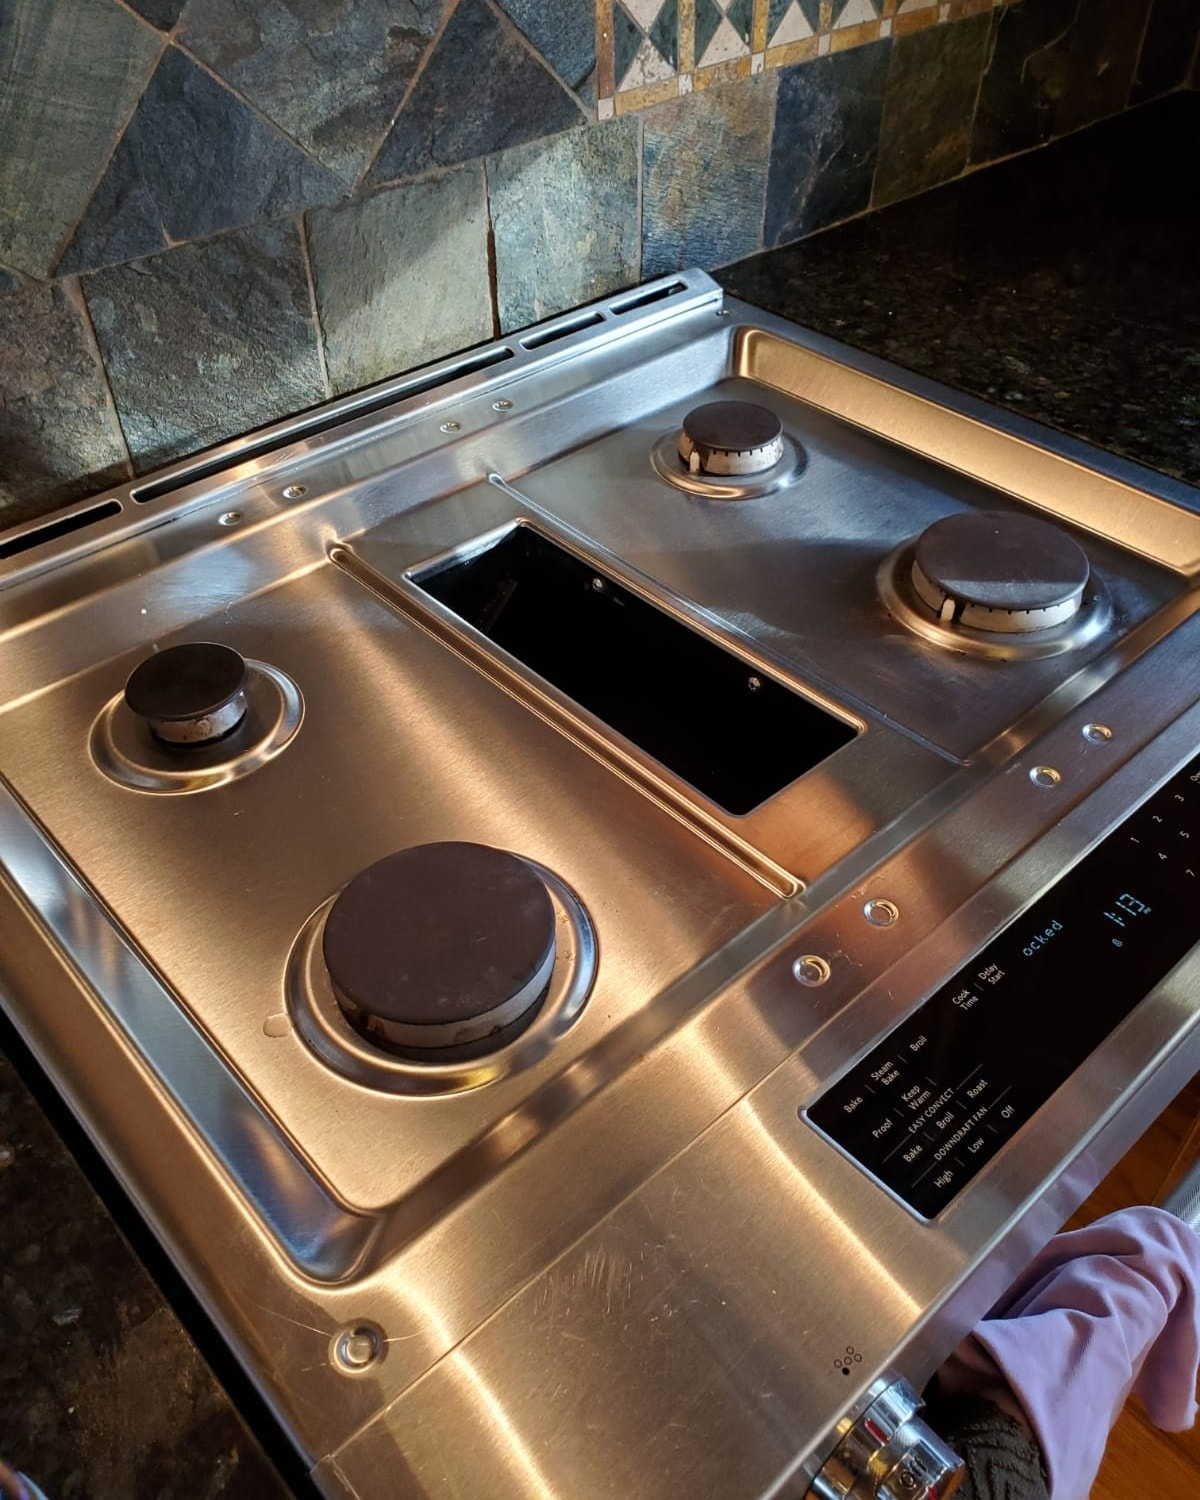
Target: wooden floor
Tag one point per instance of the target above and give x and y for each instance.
(1142, 1463)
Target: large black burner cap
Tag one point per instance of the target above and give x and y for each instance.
(440, 945)
(189, 694)
(999, 571)
(731, 437)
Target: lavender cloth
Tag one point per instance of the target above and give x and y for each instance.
(1100, 1313)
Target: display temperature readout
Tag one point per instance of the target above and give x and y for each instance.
(928, 1107)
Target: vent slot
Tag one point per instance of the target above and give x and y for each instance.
(52, 530)
(324, 423)
(644, 299)
(563, 330)
(735, 734)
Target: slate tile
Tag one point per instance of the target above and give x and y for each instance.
(565, 220)
(58, 438)
(195, 160)
(1100, 61)
(160, 13)
(932, 85)
(564, 33)
(825, 141)
(72, 72)
(207, 341)
(1025, 77)
(1167, 49)
(402, 277)
(330, 75)
(704, 186)
(482, 90)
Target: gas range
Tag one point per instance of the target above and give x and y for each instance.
(603, 898)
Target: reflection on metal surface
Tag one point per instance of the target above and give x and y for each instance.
(628, 1265)
(127, 752)
(314, 1008)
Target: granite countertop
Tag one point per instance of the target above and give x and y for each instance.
(1062, 285)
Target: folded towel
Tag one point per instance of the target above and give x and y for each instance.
(1100, 1313)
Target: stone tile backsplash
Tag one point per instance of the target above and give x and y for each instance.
(214, 213)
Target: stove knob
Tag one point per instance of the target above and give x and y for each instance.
(731, 437)
(189, 695)
(889, 1454)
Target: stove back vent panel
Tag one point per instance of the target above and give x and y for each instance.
(730, 731)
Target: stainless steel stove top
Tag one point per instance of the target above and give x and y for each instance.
(636, 1249)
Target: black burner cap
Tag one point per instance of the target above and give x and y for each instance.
(1002, 561)
(732, 426)
(440, 945)
(188, 682)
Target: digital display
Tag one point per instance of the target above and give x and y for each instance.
(928, 1107)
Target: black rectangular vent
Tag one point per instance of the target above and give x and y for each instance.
(562, 331)
(64, 526)
(644, 299)
(730, 731)
(322, 423)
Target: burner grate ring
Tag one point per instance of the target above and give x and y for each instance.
(326, 1030)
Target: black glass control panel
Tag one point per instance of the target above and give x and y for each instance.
(928, 1107)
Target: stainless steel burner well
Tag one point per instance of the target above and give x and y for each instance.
(123, 746)
(729, 450)
(322, 1021)
(996, 584)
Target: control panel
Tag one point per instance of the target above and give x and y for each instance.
(929, 1106)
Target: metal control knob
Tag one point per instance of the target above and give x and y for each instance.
(189, 695)
(889, 1454)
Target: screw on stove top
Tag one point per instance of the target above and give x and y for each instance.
(811, 970)
(191, 694)
(229, 518)
(357, 1347)
(451, 426)
(1097, 734)
(881, 913)
(295, 492)
(502, 406)
(1045, 776)
(723, 312)
(754, 684)
(599, 586)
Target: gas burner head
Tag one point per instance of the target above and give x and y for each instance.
(189, 695)
(729, 450)
(731, 437)
(441, 946)
(996, 584)
(194, 718)
(999, 572)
